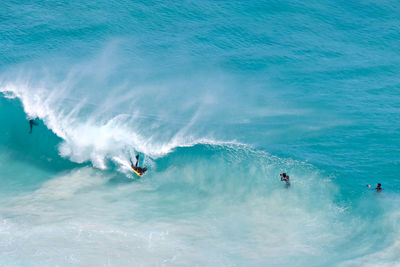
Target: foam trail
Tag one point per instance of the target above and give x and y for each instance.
(191, 213)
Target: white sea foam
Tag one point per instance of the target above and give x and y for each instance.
(89, 137)
(211, 217)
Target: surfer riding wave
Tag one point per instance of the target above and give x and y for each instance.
(136, 168)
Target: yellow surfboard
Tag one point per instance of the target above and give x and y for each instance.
(136, 172)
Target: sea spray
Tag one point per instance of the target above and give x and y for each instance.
(218, 98)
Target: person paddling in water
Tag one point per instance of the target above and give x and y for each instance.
(140, 170)
(31, 124)
(285, 178)
(378, 187)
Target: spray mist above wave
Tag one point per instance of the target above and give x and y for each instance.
(118, 102)
(94, 140)
(99, 119)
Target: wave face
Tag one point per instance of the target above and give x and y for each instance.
(218, 98)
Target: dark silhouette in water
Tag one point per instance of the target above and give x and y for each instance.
(31, 124)
(285, 178)
(140, 170)
(378, 187)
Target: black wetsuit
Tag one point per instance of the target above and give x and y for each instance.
(286, 180)
(136, 168)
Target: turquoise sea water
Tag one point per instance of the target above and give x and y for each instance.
(218, 98)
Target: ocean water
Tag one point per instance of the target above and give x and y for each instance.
(218, 98)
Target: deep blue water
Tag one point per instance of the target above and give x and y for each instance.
(218, 98)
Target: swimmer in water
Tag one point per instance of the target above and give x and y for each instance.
(378, 187)
(285, 178)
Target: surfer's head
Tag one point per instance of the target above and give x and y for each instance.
(283, 174)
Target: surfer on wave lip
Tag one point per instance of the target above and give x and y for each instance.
(32, 123)
(140, 170)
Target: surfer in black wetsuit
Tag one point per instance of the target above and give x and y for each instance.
(285, 178)
(140, 170)
(31, 124)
